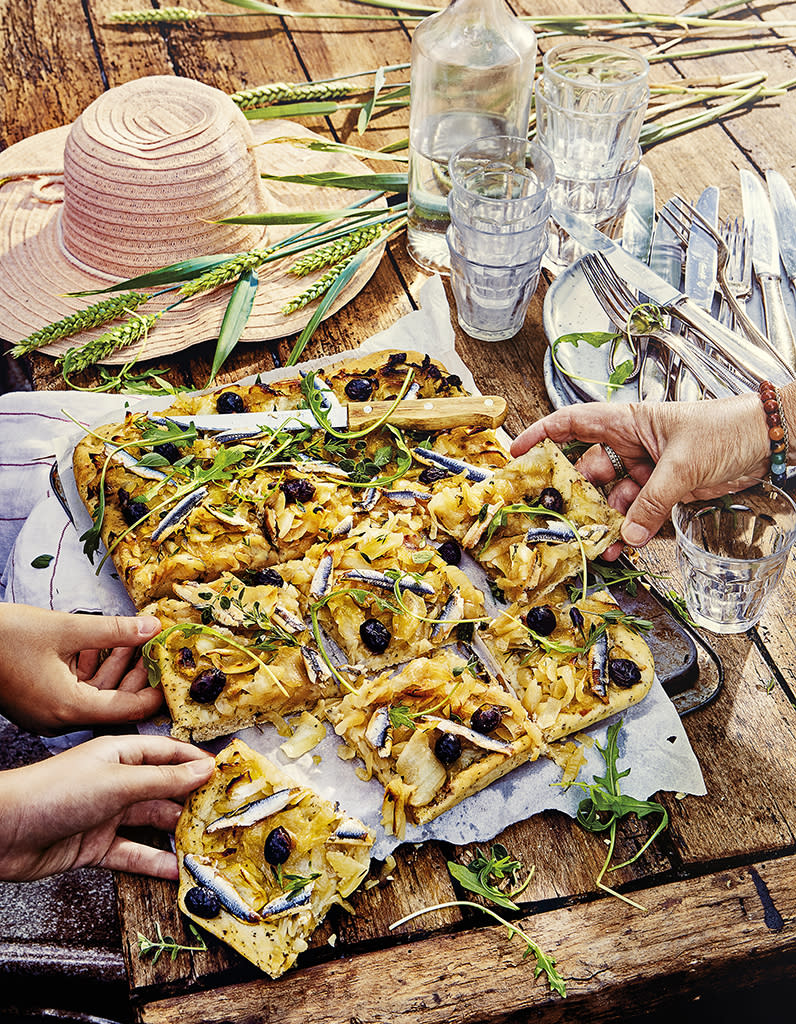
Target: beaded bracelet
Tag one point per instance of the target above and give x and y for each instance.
(777, 430)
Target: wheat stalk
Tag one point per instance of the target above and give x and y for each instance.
(226, 272)
(323, 284)
(163, 14)
(77, 359)
(287, 92)
(99, 313)
(334, 252)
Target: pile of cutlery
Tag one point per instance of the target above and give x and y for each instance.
(729, 328)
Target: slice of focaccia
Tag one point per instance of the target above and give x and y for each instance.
(571, 665)
(232, 655)
(262, 859)
(512, 522)
(388, 594)
(434, 733)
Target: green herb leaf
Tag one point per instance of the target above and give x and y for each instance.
(619, 375)
(235, 319)
(42, 561)
(166, 944)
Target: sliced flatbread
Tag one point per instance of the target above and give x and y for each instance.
(250, 869)
(414, 731)
(564, 687)
(526, 549)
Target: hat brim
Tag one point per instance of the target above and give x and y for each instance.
(35, 275)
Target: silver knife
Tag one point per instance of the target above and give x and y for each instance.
(765, 260)
(701, 262)
(636, 239)
(666, 260)
(758, 365)
(481, 411)
(783, 203)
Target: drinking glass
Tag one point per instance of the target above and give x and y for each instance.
(732, 553)
(595, 78)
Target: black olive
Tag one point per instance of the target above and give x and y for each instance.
(624, 672)
(541, 620)
(359, 389)
(486, 719)
(278, 844)
(202, 901)
(267, 578)
(448, 747)
(431, 474)
(169, 450)
(450, 552)
(229, 401)
(132, 510)
(551, 499)
(207, 686)
(577, 619)
(375, 635)
(298, 490)
(185, 658)
(465, 631)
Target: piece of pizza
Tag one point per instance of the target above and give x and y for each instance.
(262, 859)
(571, 665)
(530, 524)
(433, 733)
(234, 654)
(384, 593)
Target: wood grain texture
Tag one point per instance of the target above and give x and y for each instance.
(694, 935)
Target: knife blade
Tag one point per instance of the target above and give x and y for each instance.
(640, 216)
(480, 411)
(666, 261)
(765, 261)
(758, 365)
(783, 203)
(699, 284)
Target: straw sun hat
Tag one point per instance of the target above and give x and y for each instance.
(134, 184)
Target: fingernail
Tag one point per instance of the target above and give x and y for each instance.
(147, 626)
(201, 769)
(635, 534)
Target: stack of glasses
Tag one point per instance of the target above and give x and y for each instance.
(590, 106)
(499, 206)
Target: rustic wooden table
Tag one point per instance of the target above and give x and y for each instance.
(719, 885)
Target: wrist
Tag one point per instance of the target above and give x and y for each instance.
(12, 802)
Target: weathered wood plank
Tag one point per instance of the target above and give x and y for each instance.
(728, 929)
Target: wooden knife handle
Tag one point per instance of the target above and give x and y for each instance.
(480, 411)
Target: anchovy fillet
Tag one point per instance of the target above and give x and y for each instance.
(231, 899)
(455, 466)
(131, 463)
(228, 520)
(256, 810)
(349, 830)
(172, 520)
(378, 732)
(412, 391)
(598, 667)
(315, 665)
(290, 901)
(552, 533)
(408, 498)
(233, 436)
(450, 615)
(192, 593)
(369, 500)
(379, 579)
(344, 527)
(322, 578)
(478, 739)
(480, 526)
(286, 620)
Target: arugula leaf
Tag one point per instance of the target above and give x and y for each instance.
(42, 561)
(477, 876)
(619, 375)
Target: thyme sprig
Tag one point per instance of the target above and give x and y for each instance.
(166, 944)
(292, 883)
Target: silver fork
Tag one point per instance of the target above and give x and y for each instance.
(679, 216)
(619, 303)
(738, 271)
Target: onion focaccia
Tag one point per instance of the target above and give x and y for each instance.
(526, 522)
(571, 665)
(232, 655)
(434, 733)
(262, 859)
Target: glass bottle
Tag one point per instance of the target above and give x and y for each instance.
(472, 75)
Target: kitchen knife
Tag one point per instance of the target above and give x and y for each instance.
(699, 283)
(481, 411)
(666, 260)
(765, 260)
(758, 365)
(783, 203)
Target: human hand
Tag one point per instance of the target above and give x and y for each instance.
(672, 451)
(51, 679)
(64, 812)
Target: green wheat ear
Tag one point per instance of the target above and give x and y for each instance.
(323, 284)
(287, 92)
(226, 272)
(334, 252)
(99, 313)
(127, 333)
(163, 14)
